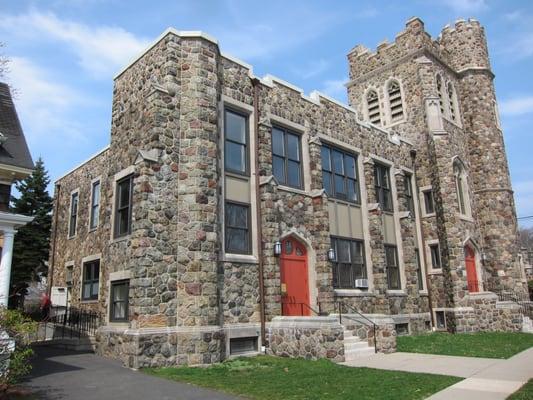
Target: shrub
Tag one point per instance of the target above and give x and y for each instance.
(19, 327)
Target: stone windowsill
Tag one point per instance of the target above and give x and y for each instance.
(240, 258)
(89, 301)
(398, 293)
(423, 293)
(464, 217)
(353, 293)
(293, 190)
(120, 239)
(430, 215)
(435, 272)
(451, 121)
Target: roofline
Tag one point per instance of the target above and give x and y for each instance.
(82, 164)
(16, 168)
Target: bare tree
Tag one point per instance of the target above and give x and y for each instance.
(4, 62)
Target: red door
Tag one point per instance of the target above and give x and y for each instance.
(294, 279)
(471, 272)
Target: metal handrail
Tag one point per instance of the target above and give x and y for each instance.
(302, 305)
(351, 308)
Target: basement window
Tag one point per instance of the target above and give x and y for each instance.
(242, 345)
(440, 320)
(402, 329)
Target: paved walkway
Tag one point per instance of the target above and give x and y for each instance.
(60, 374)
(486, 379)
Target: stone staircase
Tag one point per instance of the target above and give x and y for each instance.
(527, 325)
(355, 348)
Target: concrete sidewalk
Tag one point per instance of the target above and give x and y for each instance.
(463, 367)
(486, 378)
(496, 382)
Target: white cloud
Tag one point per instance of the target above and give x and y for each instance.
(466, 6)
(513, 16)
(44, 105)
(517, 106)
(311, 69)
(101, 50)
(335, 88)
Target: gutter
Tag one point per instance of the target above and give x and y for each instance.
(255, 84)
(54, 240)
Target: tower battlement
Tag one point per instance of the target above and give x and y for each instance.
(463, 46)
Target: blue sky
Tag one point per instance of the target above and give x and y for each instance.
(65, 53)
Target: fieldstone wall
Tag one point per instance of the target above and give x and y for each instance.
(7, 347)
(483, 312)
(151, 347)
(306, 337)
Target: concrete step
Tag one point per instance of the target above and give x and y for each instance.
(350, 355)
(353, 339)
(356, 346)
(75, 344)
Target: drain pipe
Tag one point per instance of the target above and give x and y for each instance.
(54, 239)
(255, 84)
(423, 249)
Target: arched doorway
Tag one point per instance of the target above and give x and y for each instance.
(471, 270)
(294, 278)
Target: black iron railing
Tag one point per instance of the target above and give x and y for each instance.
(341, 309)
(298, 309)
(71, 322)
(521, 299)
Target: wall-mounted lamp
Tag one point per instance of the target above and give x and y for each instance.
(277, 248)
(331, 254)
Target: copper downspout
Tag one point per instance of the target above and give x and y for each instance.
(255, 84)
(423, 249)
(52, 258)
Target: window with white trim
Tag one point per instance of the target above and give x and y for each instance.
(373, 108)
(383, 186)
(118, 307)
(95, 205)
(123, 206)
(74, 203)
(91, 280)
(392, 266)
(286, 157)
(429, 201)
(434, 250)
(349, 264)
(395, 101)
(339, 174)
(235, 142)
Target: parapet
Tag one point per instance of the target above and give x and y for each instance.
(461, 47)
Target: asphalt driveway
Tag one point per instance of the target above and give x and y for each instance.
(61, 374)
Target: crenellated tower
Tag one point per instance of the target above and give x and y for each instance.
(439, 94)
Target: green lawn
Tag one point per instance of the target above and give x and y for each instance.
(265, 377)
(482, 344)
(525, 392)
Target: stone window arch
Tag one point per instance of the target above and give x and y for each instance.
(452, 102)
(461, 187)
(373, 108)
(395, 98)
(440, 93)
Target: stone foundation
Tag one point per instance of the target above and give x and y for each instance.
(151, 347)
(306, 337)
(483, 312)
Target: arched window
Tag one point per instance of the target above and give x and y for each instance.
(440, 92)
(452, 101)
(372, 104)
(395, 101)
(461, 186)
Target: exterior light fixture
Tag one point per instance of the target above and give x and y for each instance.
(277, 248)
(331, 254)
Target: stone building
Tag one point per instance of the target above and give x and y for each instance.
(231, 212)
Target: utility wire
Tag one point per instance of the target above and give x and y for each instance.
(526, 217)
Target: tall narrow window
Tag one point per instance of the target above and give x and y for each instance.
(349, 265)
(408, 192)
(74, 200)
(395, 101)
(118, 309)
(434, 250)
(123, 205)
(339, 174)
(440, 93)
(373, 109)
(95, 205)
(429, 202)
(235, 142)
(393, 269)
(237, 228)
(91, 280)
(461, 187)
(5, 197)
(286, 157)
(382, 185)
(452, 101)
